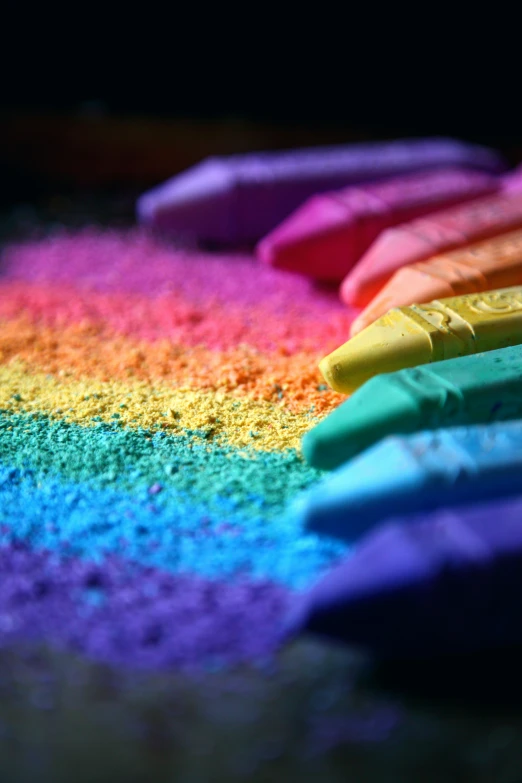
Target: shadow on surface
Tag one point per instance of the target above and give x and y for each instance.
(489, 679)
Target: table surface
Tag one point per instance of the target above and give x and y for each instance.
(318, 712)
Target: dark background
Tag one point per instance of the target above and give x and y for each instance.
(356, 69)
(107, 98)
(98, 101)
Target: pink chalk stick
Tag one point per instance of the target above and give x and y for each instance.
(329, 233)
(425, 237)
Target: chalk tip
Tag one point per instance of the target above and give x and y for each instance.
(313, 240)
(348, 290)
(279, 251)
(358, 290)
(194, 202)
(323, 449)
(266, 252)
(395, 248)
(316, 449)
(309, 446)
(333, 373)
(358, 324)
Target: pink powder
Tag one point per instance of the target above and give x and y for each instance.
(135, 262)
(258, 313)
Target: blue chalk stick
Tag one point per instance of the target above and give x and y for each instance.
(420, 472)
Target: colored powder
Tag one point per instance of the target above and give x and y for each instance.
(176, 533)
(292, 381)
(136, 262)
(125, 614)
(170, 317)
(242, 422)
(146, 288)
(152, 402)
(130, 458)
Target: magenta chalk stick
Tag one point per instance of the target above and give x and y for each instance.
(330, 232)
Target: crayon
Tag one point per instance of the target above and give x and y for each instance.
(329, 233)
(239, 199)
(441, 231)
(448, 581)
(425, 333)
(494, 263)
(476, 389)
(413, 473)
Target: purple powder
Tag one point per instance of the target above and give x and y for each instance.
(126, 614)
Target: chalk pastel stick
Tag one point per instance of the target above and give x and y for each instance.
(241, 198)
(329, 233)
(438, 583)
(424, 333)
(512, 181)
(477, 389)
(493, 263)
(413, 473)
(428, 236)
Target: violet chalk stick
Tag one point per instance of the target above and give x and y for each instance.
(239, 199)
(446, 582)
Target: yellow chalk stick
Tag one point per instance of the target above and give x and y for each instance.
(420, 334)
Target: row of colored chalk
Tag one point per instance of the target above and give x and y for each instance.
(436, 572)
(439, 569)
(431, 197)
(427, 485)
(412, 440)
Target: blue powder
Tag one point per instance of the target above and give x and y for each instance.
(170, 532)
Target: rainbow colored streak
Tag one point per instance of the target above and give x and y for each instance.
(152, 402)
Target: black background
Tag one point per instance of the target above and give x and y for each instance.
(377, 69)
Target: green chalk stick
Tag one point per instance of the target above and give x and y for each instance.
(474, 389)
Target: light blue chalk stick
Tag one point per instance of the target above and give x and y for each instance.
(415, 473)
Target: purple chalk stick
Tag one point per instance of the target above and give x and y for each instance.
(241, 198)
(512, 181)
(446, 582)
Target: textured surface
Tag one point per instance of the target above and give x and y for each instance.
(151, 407)
(426, 237)
(169, 709)
(496, 263)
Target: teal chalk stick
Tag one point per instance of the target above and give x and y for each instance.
(476, 389)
